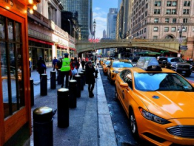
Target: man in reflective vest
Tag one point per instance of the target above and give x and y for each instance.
(65, 69)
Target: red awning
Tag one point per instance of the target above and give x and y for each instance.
(60, 46)
(40, 41)
(72, 49)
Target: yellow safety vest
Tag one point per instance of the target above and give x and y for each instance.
(65, 64)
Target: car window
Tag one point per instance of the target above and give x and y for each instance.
(121, 64)
(127, 77)
(161, 82)
(176, 60)
(107, 62)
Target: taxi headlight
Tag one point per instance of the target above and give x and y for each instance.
(115, 71)
(153, 117)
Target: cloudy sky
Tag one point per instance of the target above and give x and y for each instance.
(100, 11)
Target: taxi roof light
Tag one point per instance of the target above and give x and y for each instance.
(148, 64)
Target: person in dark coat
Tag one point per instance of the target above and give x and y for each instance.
(90, 79)
(41, 66)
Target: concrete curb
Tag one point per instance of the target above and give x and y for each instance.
(106, 131)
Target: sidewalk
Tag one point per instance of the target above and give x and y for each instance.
(89, 124)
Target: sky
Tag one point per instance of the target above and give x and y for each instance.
(100, 11)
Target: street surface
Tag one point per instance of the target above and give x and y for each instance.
(119, 118)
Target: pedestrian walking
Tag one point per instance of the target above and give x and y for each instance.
(90, 80)
(41, 66)
(54, 63)
(65, 69)
(83, 63)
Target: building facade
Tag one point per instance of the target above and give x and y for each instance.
(84, 10)
(111, 23)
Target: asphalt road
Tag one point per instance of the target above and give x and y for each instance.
(119, 118)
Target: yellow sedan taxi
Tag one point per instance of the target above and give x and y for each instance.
(105, 66)
(158, 102)
(115, 67)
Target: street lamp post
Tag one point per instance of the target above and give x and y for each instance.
(94, 25)
(180, 30)
(69, 26)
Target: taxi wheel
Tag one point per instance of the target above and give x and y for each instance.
(116, 93)
(133, 124)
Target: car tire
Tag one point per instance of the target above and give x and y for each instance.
(116, 94)
(188, 74)
(133, 124)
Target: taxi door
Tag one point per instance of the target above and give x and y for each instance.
(128, 91)
(124, 90)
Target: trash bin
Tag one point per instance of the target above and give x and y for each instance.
(63, 107)
(43, 84)
(72, 93)
(53, 79)
(81, 81)
(78, 78)
(43, 126)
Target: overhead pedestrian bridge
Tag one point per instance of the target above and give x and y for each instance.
(171, 45)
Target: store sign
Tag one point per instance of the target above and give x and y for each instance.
(39, 35)
(59, 40)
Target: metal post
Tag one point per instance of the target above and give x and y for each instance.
(72, 94)
(78, 78)
(63, 107)
(81, 81)
(43, 126)
(53, 79)
(43, 84)
(32, 91)
(59, 79)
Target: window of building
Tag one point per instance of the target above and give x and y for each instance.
(187, 3)
(174, 3)
(185, 29)
(166, 20)
(144, 30)
(173, 11)
(173, 20)
(155, 29)
(156, 11)
(155, 37)
(168, 11)
(193, 29)
(146, 5)
(185, 20)
(166, 29)
(156, 20)
(157, 3)
(146, 13)
(185, 11)
(173, 29)
(169, 3)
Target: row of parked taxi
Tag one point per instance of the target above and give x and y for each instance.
(158, 101)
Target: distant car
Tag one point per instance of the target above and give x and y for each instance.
(134, 60)
(176, 64)
(105, 66)
(116, 67)
(191, 62)
(158, 102)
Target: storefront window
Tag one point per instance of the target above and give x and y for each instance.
(11, 67)
(2, 27)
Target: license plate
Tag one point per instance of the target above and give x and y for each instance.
(183, 72)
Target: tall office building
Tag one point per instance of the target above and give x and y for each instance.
(84, 10)
(104, 33)
(111, 23)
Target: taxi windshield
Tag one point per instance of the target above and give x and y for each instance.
(121, 64)
(107, 62)
(161, 82)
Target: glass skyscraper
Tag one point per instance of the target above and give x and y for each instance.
(84, 10)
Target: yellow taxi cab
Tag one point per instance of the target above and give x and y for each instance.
(105, 66)
(117, 66)
(158, 102)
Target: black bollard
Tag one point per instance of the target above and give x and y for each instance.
(32, 91)
(84, 76)
(43, 84)
(63, 107)
(78, 78)
(81, 81)
(59, 79)
(53, 79)
(72, 93)
(43, 126)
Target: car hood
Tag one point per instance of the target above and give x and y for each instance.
(171, 104)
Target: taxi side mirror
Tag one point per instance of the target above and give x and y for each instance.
(124, 85)
(108, 66)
